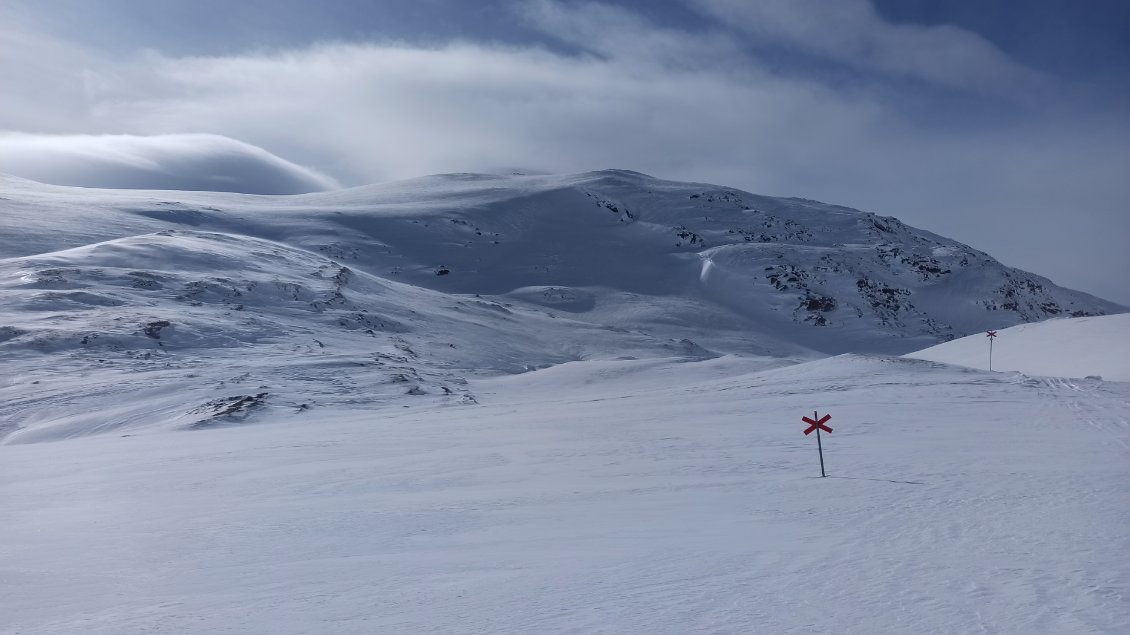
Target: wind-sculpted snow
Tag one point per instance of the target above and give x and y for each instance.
(93, 334)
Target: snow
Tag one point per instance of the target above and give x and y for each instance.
(223, 413)
(796, 275)
(1075, 347)
(631, 496)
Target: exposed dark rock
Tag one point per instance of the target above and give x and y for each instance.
(153, 329)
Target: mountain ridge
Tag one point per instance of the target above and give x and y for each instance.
(828, 266)
(371, 296)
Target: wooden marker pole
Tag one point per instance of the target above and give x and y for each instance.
(817, 423)
(992, 335)
(819, 448)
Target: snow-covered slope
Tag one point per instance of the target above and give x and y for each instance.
(1073, 347)
(538, 404)
(179, 328)
(224, 304)
(833, 278)
(614, 496)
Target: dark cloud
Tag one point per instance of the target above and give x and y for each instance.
(162, 162)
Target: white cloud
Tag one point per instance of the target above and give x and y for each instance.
(376, 112)
(162, 162)
(43, 77)
(676, 103)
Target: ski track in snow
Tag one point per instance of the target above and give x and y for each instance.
(1092, 403)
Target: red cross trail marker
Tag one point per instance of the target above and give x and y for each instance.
(992, 335)
(817, 423)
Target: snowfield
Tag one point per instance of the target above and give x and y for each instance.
(544, 404)
(1081, 347)
(614, 497)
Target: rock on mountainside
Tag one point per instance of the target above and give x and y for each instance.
(365, 295)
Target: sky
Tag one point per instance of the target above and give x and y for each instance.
(1005, 125)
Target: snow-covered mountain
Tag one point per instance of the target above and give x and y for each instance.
(369, 294)
(542, 404)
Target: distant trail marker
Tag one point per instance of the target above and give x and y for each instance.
(992, 335)
(817, 423)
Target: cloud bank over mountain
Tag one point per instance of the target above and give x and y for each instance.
(160, 162)
(834, 101)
